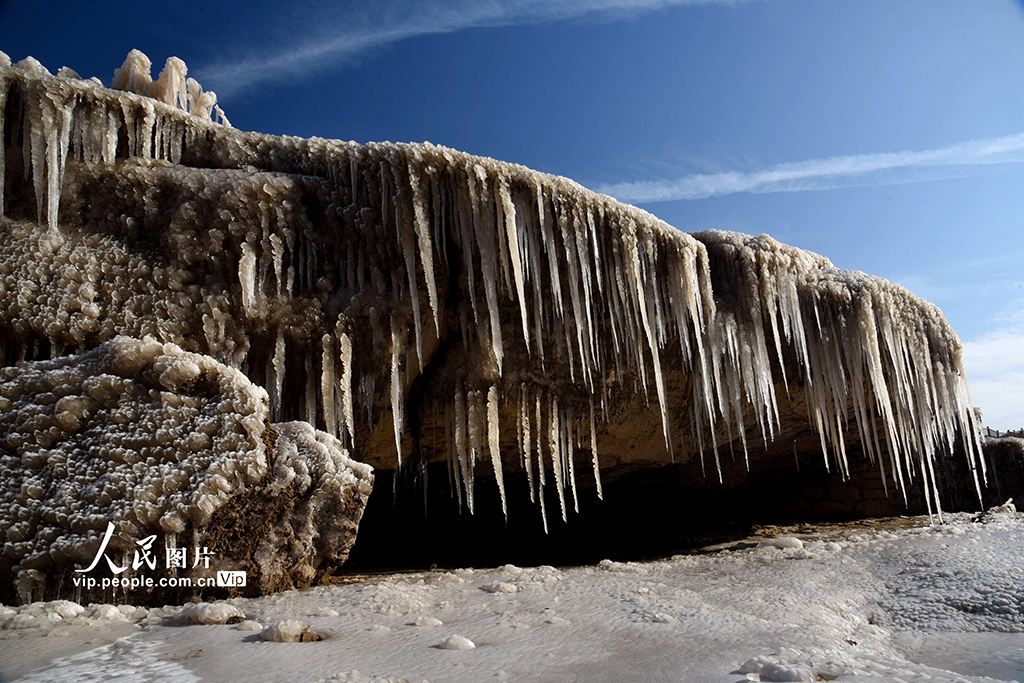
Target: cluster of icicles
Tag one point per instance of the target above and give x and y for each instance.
(599, 293)
(172, 87)
(52, 128)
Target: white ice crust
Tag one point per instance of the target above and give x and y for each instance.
(155, 440)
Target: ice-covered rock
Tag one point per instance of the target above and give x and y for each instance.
(457, 642)
(421, 304)
(249, 625)
(290, 631)
(106, 614)
(65, 609)
(781, 542)
(136, 448)
(211, 613)
(770, 670)
(500, 587)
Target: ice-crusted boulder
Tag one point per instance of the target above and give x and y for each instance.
(160, 442)
(426, 306)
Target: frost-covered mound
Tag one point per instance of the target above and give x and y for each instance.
(424, 305)
(159, 442)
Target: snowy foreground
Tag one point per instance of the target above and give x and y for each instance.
(890, 601)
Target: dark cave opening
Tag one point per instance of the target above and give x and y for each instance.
(645, 514)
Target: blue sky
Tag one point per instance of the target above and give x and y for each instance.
(888, 136)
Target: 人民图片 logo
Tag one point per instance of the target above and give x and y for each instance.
(143, 557)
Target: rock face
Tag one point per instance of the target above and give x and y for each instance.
(167, 446)
(1005, 460)
(424, 306)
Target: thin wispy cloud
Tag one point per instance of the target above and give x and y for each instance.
(336, 36)
(862, 170)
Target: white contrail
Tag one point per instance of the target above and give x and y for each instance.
(884, 168)
(335, 37)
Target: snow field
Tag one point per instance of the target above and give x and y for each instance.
(854, 605)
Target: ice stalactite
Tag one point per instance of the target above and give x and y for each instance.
(462, 449)
(309, 402)
(540, 462)
(862, 358)
(514, 246)
(525, 443)
(494, 443)
(555, 452)
(593, 451)
(327, 385)
(423, 237)
(480, 191)
(546, 300)
(348, 419)
(397, 399)
(275, 375)
(568, 453)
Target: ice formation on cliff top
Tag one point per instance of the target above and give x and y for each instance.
(358, 282)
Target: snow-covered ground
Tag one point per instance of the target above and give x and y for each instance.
(900, 601)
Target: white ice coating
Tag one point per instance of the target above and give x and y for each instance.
(288, 631)
(604, 299)
(493, 443)
(209, 613)
(155, 440)
(172, 87)
(348, 421)
(48, 121)
(124, 443)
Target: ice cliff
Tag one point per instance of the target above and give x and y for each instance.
(420, 304)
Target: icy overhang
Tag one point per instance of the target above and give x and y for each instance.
(422, 305)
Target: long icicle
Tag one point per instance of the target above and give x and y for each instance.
(494, 443)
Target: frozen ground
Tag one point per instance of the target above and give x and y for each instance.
(900, 601)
